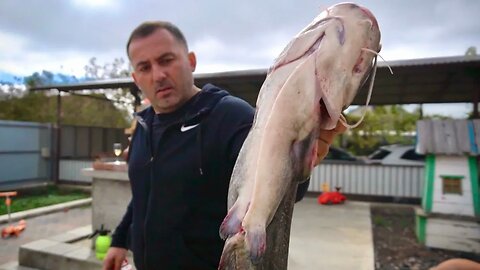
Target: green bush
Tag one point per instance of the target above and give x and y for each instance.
(42, 196)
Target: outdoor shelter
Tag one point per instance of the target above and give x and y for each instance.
(418, 81)
(450, 209)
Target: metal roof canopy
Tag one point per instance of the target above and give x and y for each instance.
(448, 137)
(427, 80)
(430, 80)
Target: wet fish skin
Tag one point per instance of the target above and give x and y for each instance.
(311, 82)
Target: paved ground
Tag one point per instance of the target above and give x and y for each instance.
(331, 236)
(323, 237)
(44, 226)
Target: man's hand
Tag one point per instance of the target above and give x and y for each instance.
(325, 139)
(114, 258)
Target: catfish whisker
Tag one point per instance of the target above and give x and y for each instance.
(377, 54)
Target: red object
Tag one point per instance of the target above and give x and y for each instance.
(331, 197)
(14, 230)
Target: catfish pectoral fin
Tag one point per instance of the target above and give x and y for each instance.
(235, 255)
(232, 223)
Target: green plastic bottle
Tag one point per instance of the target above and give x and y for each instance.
(102, 243)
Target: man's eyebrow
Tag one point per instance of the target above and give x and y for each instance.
(167, 54)
(145, 62)
(141, 63)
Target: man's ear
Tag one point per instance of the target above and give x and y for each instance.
(193, 60)
(134, 78)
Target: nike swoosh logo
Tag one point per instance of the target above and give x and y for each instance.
(187, 128)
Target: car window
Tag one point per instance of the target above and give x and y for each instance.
(412, 155)
(332, 153)
(336, 154)
(345, 156)
(379, 154)
(329, 155)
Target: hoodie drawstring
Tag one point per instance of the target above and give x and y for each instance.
(200, 150)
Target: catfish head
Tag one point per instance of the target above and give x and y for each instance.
(343, 40)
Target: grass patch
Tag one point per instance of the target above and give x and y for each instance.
(42, 196)
(380, 221)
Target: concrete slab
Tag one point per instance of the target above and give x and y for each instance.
(40, 244)
(14, 266)
(53, 254)
(322, 237)
(61, 248)
(331, 236)
(45, 227)
(73, 235)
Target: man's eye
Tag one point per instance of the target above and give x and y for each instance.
(143, 68)
(166, 61)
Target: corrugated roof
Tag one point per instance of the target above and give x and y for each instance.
(426, 80)
(430, 61)
(448, 137)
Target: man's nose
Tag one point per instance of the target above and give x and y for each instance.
(159, 73)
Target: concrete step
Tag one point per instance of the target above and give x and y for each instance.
(14, 266)
(60, 252)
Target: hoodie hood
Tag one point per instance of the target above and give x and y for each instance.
(191, 112)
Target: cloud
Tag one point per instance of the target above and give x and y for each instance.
(227, 35)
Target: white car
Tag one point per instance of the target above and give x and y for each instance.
(339, 155)
(396, 155)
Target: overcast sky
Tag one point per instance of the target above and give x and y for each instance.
(62, 35)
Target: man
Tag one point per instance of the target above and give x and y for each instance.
(181, 157)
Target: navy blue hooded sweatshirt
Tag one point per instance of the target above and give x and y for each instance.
(179, 189)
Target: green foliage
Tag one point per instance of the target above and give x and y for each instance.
(381, 125)
(117, 69)
(106, 108)
(380, 221)
(33, 107)
(86, 111)
(40, 197)
(76, 110)
(39, 79)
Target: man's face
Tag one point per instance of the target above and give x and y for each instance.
(163, 70)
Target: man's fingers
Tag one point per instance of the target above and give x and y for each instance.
(118, 262)
(322, 151)
(325, 139)
(329, 135)
(340, 128)
(107, 264)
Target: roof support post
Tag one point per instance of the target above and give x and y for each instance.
(476, 98)
(57, 128)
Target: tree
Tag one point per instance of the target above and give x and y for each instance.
(45, 77)
(33, 107)
(76, 110)
(11, 90)
(107, 108)
(381, 125)
(117, 69)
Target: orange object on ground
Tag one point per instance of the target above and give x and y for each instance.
(331, 197)
(14, 230)
(11, 229)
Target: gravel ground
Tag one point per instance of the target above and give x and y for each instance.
(395, 243)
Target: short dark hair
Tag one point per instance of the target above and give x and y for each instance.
(147, 28)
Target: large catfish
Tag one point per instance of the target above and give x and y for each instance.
(312, 81)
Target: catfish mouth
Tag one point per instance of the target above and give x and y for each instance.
(325, 115)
